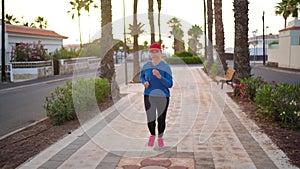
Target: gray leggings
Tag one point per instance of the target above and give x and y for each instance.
(160, 105)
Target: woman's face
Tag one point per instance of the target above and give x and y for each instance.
(155, 54)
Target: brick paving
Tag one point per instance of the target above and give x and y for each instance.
(205, 129)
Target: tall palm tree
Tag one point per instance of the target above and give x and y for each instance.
(151, 20)
(241, 47)
(177, 33)
(42, 23)
(195, 33)
(10, 19)
(76, 7)
(107, 67)
(205, 27)
(287, 8)
(136, 63)
(219, 31)
(283, 9)
(87, 5)
(159, 31)
(210, 30)
(139, 29)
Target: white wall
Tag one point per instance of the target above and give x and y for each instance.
(295, 57)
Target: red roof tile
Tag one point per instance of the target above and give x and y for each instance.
(291, 28)
(32, 31)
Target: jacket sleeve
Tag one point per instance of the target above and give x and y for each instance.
(167, 79)
(142, 75)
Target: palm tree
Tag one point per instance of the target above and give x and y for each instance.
(195, 33)
(159, 31)
(10, 19)
(107, 67)
(177, 33)
(136, 63)
(241, 47)
(139, 29)
(151, 20)
(205, 27)
(87, 5)
(283, 9)
(209, 27)
(77, 6)
(219, 31)
(41, 22)
(286, 8)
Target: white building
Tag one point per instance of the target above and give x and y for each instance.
(15, 34)
(287, 54)
(256, 46)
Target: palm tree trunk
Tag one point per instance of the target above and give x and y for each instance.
(205, 26)
(151, 20)
(241, 46)
(219, 30)
(159, 31)
(79, 26)
(136, 63)
(107, 67)
(210, 39)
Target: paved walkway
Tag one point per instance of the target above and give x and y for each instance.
(205, 129)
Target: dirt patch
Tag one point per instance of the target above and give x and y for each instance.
(21, 146)
(287, 140)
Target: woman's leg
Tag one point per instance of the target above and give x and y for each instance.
(151, 113)
(162, 108)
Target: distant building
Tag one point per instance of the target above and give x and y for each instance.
(287, 54)
(15, 34)
(256, 45)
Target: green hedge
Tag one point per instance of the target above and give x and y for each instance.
(184, 60)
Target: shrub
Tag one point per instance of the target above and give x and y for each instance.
(86, 93)
(183, 54)
(63, 53)
(91, 49)
(29, 52)
(81, 96)
(248, 86)
(184, 60)
(280, 102)
(59, 105)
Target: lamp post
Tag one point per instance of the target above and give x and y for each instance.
(125, 49)
(3, 74)
(254, 44)
(264, 56)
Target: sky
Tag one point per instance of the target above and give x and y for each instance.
(189, 12)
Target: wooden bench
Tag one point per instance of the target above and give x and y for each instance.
(228, 78)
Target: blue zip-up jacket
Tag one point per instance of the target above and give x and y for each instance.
(158, 87)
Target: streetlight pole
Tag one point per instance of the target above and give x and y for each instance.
(254, 44)
(125, 49)
(264, 54)
(3, 74)
(205, 40)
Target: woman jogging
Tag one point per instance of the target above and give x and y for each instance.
(156, 76)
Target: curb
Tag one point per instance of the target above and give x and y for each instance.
(23, 128)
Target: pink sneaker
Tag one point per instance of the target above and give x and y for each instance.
(160, 142)
(151, 141)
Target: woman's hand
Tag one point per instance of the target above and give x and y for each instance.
(156, 73)
(146, 84)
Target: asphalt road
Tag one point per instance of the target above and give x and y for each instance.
(21, 103)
